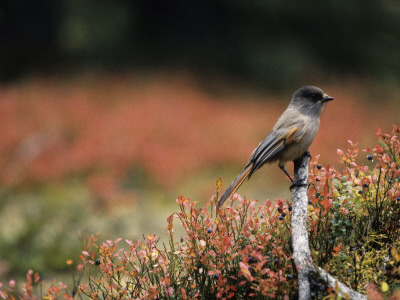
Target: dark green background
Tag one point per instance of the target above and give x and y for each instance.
(274, 44)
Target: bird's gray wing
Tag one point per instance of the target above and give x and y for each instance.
(273, 144)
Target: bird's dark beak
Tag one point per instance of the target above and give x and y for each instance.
(327, 98)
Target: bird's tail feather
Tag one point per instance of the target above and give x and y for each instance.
(235, 184)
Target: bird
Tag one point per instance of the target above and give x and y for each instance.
(290, 137)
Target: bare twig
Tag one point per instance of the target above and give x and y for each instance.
(301, 249)
(300, 242)
(340, 288)
(76, 286)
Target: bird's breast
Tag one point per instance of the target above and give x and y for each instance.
(299, 147)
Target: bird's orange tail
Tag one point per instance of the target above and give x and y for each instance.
(235, 185)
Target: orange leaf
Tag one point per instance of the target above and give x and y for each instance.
(336, 249)
(219, 184)
(170, 220)
(326, 188)
(326, 203)
(245, 270)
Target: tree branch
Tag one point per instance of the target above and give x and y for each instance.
(301, 250)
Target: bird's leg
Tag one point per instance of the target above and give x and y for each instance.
(294, 183)
(287, 173)
(308, 154)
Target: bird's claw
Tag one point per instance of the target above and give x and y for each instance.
(308, 154)
(297, 184)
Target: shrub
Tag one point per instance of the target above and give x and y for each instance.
(240, 252)
(243, 250)
(354, 216)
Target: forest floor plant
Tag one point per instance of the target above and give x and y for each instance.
(243, 251)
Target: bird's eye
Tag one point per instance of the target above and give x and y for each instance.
(315, 96)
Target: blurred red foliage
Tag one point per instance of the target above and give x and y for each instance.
(103, 126)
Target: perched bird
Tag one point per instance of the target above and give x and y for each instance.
(290, 138)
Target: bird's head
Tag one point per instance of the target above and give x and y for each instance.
(310, 99)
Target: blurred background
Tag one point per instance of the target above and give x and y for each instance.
(111, 109)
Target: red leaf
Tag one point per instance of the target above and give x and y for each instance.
(326, 203)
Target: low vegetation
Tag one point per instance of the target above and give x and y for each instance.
(243, 250)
